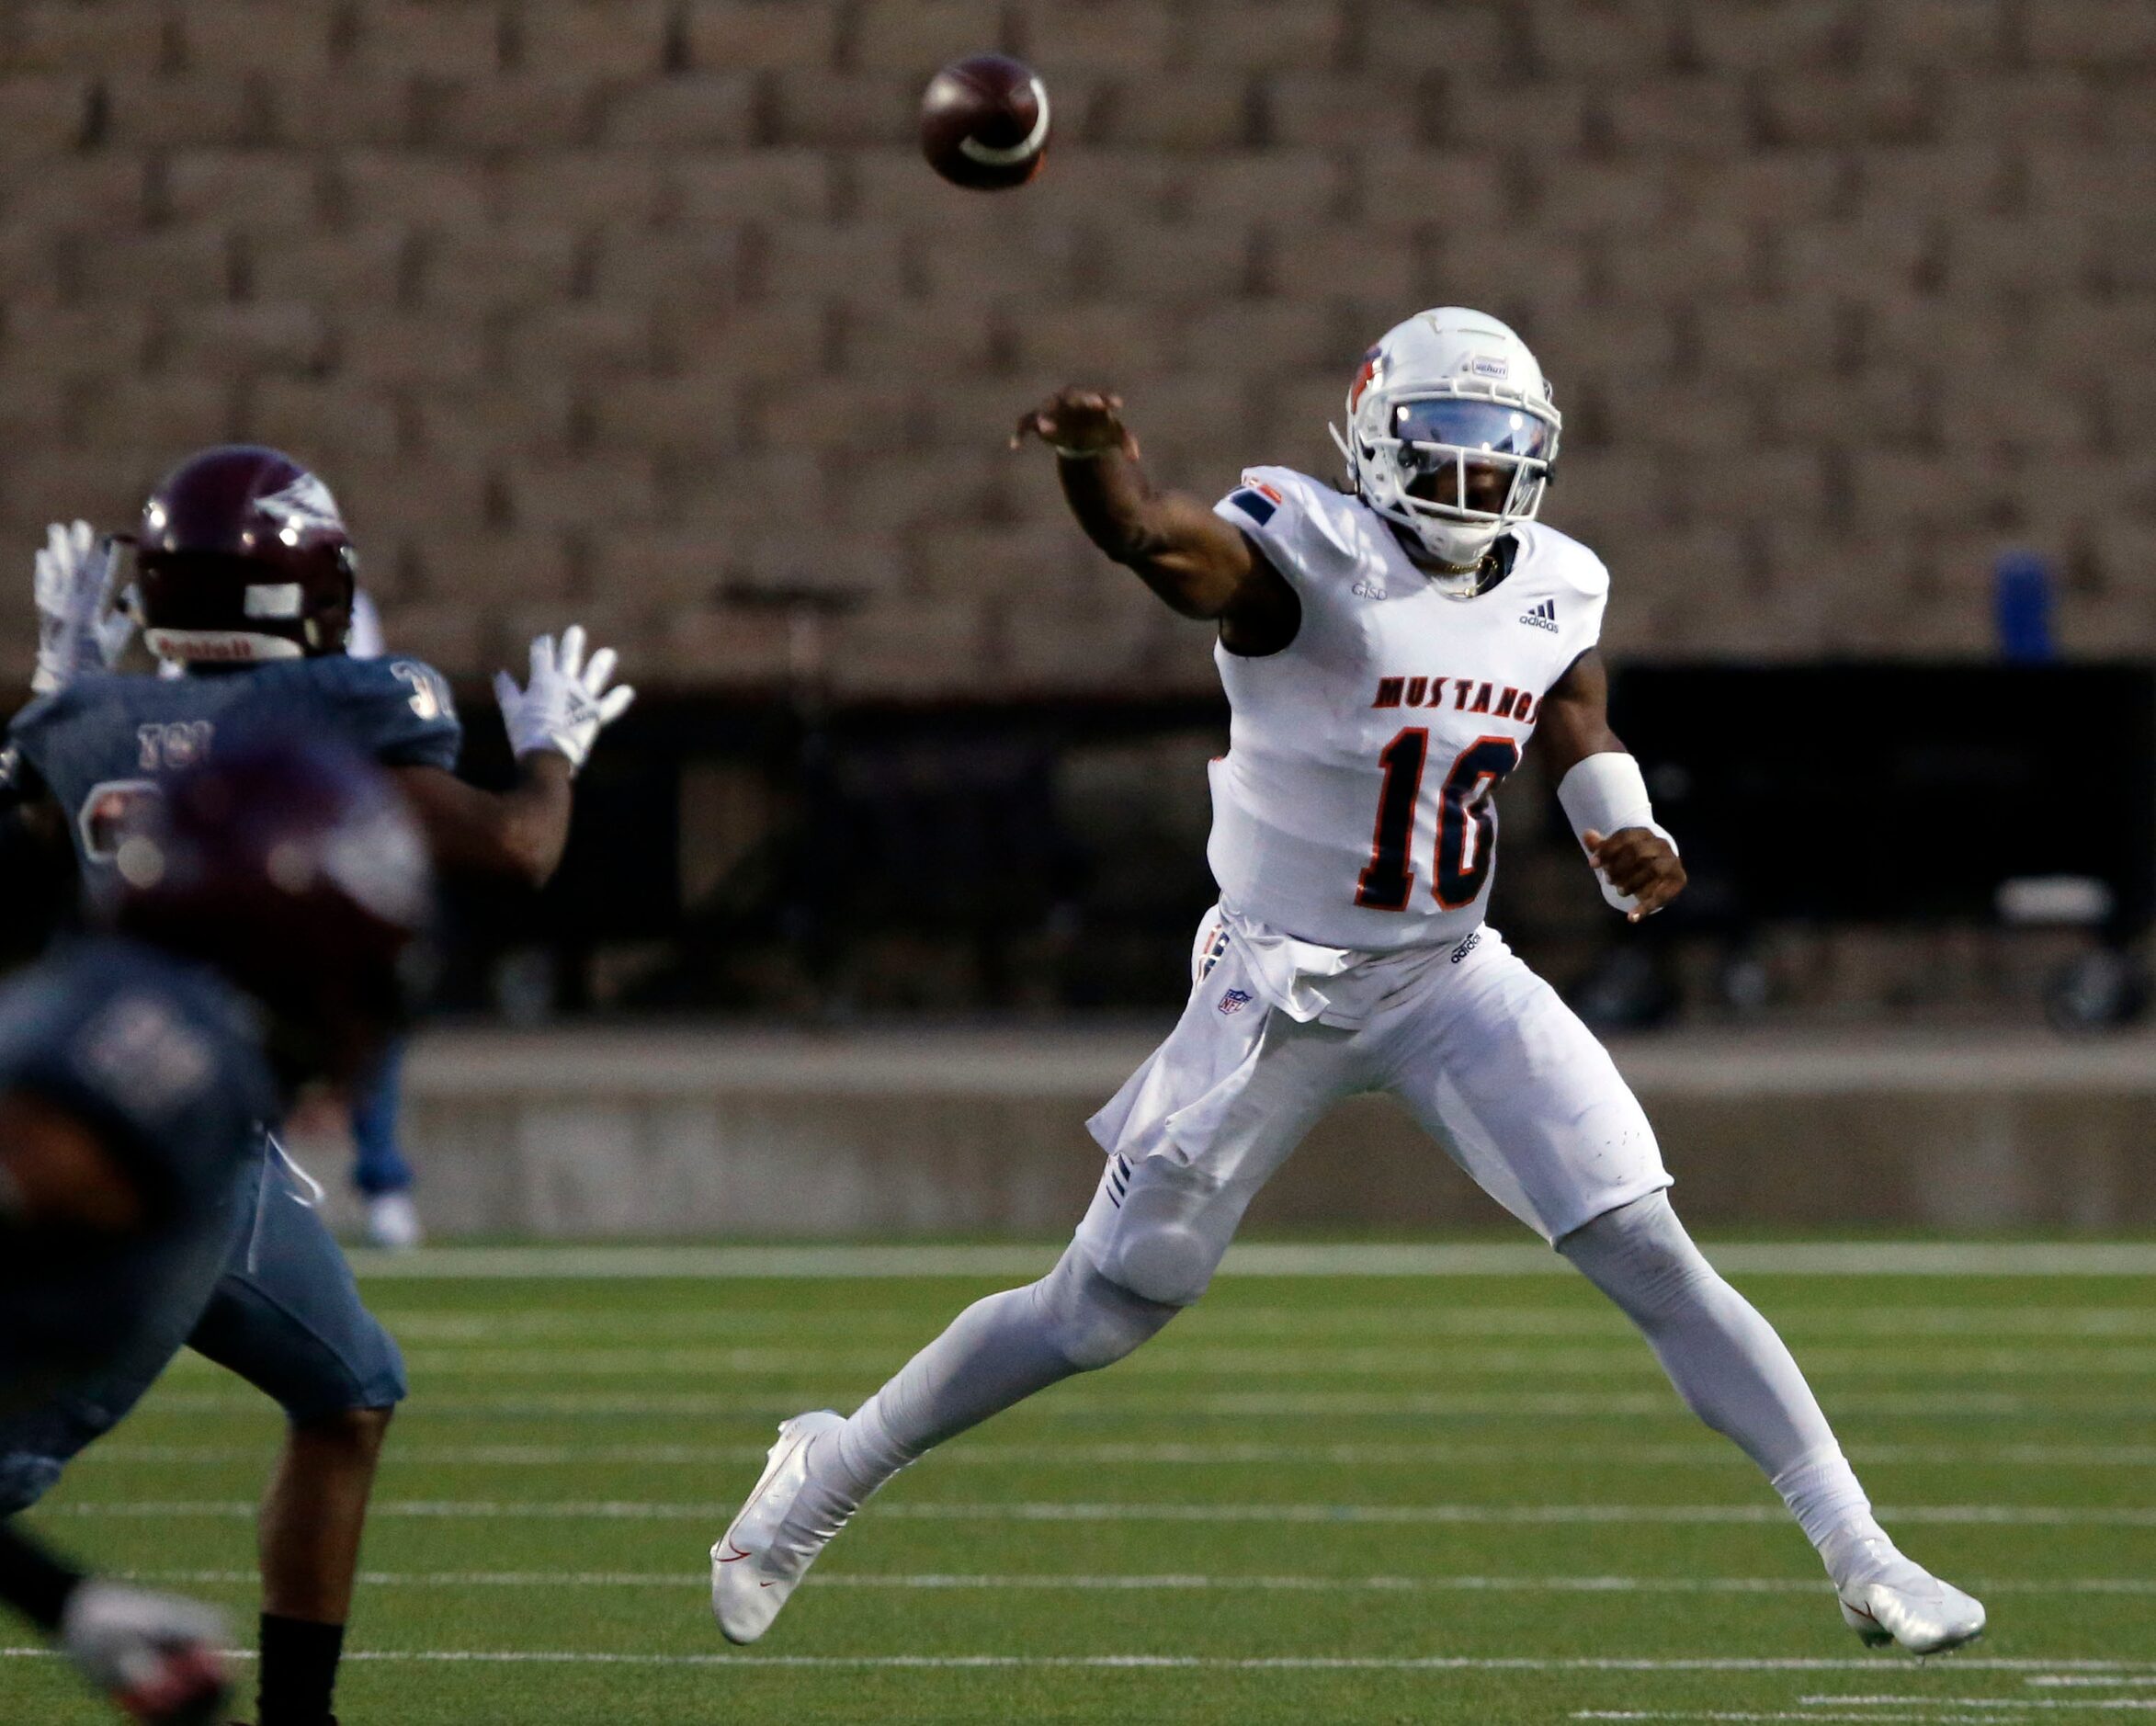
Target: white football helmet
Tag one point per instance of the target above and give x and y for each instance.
(1451, 434)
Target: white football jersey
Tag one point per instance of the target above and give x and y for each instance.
(1354, 806)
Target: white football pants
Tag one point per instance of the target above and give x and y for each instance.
(1499, 1071)
(1483, 1052)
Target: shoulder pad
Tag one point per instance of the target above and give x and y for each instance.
(1279, 506)
(398, 709)
(27, 732)
(35, 713)
(1563, 561)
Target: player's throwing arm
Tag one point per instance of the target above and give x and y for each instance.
(1198, 563)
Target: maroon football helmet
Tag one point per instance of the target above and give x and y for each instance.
(296, 869)
(243, 556)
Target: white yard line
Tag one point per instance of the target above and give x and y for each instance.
(1888, 1325)
(1170, 1663)
(1784, 1714)
(938, 1583)
(1103, 1399)
(2003, 1516)
(1701, 1452)
(1824, 1258)
(1787, 1714)
(1627, 1359)
(1993, 1703)
(1530, 1515)
(1630, 1362)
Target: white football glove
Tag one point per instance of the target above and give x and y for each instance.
(156, 1655)
(77, 630)
(566, 704)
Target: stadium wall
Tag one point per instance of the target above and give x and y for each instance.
(936, 1133)
(646, 311)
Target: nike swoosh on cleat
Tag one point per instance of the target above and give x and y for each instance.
(736, 1554)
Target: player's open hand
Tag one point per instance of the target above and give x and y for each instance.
(79, 626)
(566, 704)
(1641, 864)
(1078, 425)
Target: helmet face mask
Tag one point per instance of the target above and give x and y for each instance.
(1451, 436)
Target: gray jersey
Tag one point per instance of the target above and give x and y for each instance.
(162, 1060)
(104, 741)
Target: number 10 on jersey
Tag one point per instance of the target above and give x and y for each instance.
(1466, 822)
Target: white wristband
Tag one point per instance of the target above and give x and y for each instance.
(1605, 794)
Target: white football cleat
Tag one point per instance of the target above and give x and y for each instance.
(1903, 1604)
(750, 1576)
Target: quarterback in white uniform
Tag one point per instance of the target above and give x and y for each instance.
(1388, 652)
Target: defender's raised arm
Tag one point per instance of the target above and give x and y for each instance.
(553, 721)
(1196, 561)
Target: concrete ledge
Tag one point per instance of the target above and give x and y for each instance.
(1009, 1062)
(713, 1132)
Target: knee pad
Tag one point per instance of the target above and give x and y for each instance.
(1169, 1236)
(1172, 1264)
(1094, 1320)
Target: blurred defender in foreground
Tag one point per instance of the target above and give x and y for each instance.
(245, 577)
(380, 1172)
(250, 943)
(1387, 653)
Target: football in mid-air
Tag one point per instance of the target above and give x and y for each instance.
(984, 122)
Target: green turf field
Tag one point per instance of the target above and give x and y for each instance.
(1314, 1499)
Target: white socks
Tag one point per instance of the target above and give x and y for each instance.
(1730, 1368)
(1726, 1361)
(1823, 1494)
(996, 1353)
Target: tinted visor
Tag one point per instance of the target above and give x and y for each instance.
(1504, 438)
(1472, 426)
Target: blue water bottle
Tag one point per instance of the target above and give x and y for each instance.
(2021, 598)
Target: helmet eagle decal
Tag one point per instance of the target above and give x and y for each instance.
(244, 556)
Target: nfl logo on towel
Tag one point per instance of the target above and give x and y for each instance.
(1235, 1001)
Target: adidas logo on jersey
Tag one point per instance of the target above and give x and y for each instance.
(1543, 616)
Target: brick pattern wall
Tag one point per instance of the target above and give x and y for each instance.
(645, 311)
